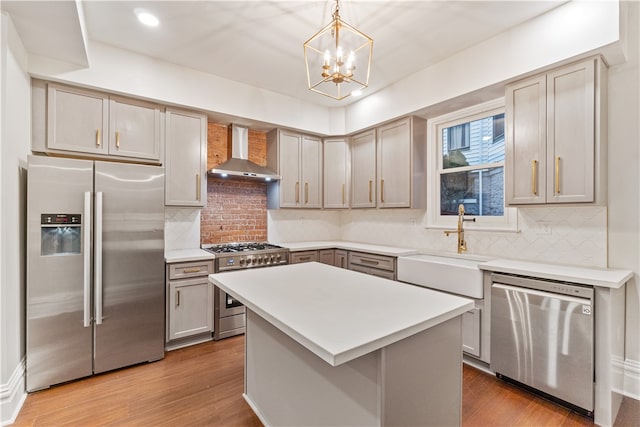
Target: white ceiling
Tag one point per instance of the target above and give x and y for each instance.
(260, 42)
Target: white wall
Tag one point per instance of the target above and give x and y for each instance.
(568, 31)
(15, 122)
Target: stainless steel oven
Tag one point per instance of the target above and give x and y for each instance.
(228, 313)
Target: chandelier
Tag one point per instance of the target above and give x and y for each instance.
(338, 58)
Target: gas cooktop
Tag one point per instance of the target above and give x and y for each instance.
(240, 247)
(235, 256)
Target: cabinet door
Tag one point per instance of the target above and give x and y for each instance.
(394, 165)
(326, 256)
(571, 133)
(134, 129)
(471, 331)
(336, 173)
(186, 159)
(340, 258)
(363, 170)
(311, 172)
(289, 169)
(525, 164)
(76, 120)
(190, 307)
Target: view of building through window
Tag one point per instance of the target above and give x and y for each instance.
(472, 167)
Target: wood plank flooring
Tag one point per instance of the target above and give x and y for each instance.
(202, 386)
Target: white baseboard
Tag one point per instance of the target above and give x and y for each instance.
(632, 379)
(12, 395)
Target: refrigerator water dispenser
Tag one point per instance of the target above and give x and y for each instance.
(60, 234)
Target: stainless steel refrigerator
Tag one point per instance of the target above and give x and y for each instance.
(95, 268)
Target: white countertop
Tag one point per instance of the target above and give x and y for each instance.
(604, 277)
(183, 255)
(338, 314)
(349, 246)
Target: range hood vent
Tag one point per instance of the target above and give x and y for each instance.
(238, 165)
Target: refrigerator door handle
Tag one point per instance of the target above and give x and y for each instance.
(98, 258)
(86, 267)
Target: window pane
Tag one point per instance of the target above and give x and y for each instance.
(480, 191)
(484, 139)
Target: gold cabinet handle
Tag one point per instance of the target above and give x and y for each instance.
(558, 175)
(370, 187)
(343, 194)
(192, 270)
(297, 191)
(382, 190)
(178, 298)
(118, 140)
(97, 137)
(305, 258)
(534, 177)
(306, 193)
(198, 191)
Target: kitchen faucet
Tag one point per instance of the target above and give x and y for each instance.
(462, 244)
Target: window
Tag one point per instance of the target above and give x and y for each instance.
(467, 152)
(457, 137)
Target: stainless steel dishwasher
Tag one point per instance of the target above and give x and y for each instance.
(542, 336)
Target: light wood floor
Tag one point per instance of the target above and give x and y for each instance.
(202, 386)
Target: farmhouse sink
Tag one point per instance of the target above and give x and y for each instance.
(458, 275)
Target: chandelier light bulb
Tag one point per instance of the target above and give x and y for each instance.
(339, 56)
(327, 57)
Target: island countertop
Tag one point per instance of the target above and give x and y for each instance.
(338, 314)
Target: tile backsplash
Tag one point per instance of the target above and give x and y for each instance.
(567, 235)
(181, 228)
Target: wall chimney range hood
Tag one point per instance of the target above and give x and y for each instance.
(239, 166)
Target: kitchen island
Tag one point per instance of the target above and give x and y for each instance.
(327, 346)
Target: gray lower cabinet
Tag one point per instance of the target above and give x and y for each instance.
(189, 299)
(340, 258)
(326, 256)
(376, 265)
(471, 331)
(303, 256)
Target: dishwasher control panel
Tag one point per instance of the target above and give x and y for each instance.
(564, 288)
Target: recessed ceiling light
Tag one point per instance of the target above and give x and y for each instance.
(356, 93)
(146, 17)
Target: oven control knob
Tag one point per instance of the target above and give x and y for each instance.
(278, 257)
(249, 261)
(241, 261)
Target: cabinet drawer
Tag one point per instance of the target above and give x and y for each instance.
(385, 274)
(304, 256)
(373, 261)
(185, 270)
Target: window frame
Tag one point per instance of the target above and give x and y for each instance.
(507, 222)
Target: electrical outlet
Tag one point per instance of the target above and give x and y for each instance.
(543, 228)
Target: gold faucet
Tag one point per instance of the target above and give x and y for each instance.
(462, 244)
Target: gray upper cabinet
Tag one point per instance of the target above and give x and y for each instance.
(186, 158)
(555, 151)
(134, 129)
(297, 159)
(74, 121)
(363, 170)
(401, 160)
(77, 120)
(336, 173)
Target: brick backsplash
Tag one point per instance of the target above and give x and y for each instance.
(236, 209)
